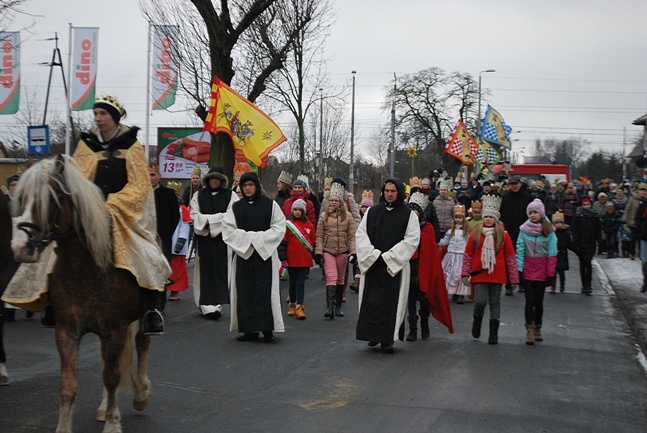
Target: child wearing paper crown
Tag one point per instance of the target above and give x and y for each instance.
(295, 252)
(564, 243)
(427, 283)
(488, 262)
(536, 260)
(455, 239)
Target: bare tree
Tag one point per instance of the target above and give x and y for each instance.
(30, 114)
(219, 28)
(8, 11)
(295, 86)
(429, 102)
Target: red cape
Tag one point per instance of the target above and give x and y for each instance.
(432, 279)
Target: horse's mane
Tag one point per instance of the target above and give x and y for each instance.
(91, 217)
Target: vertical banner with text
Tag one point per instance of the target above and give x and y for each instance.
(84, 68)
(9, 72)
(165, 75)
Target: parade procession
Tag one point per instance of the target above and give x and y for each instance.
(236, 255)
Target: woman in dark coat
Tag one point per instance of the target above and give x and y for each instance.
(585, 230)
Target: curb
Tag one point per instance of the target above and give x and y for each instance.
(635, 315)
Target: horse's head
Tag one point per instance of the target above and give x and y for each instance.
(45, 209)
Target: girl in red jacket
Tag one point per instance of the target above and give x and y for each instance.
(488, 261)
(295, 253)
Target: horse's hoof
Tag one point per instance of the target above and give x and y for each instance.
(101, 415)
(141, 405)
(4, 380)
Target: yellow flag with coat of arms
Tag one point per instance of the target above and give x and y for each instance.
(251, 130)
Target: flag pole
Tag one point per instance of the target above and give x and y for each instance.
(68, 102)
(148, 87)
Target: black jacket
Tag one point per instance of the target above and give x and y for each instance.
(586, 231)
(168, 215)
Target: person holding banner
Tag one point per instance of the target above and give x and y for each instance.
(112, 158)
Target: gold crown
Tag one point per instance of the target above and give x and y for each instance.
(196, 170)
(112, 101)
(477, 206)
(328, 181)
(414, 182)
(557, 217)
(367, 194)
(419, 199)
(459, 210)
(175, 186)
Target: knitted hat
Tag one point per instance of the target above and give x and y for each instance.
(536, 205)
(304, 178)
(642, 185)
(111, 105)
(339, 180)
(299, 204)
(338, 191)
(285, 177)
(602, 195)
(610, 204)
(300, 183)
(367, 198)
(418, 200)
(585, 200)
(425, 181)
(491, 206)
(558, 217)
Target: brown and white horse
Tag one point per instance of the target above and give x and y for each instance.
(88, 294)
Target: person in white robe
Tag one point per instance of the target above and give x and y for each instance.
(386, 239)
(211, 272)
(253, 228)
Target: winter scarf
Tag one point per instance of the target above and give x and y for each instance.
(488, 253)
(531, 229)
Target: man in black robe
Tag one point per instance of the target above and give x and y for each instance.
(208, 207)
(386, 240)
(253, 228)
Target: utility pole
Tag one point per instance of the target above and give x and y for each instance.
(351, 169)
(56, 61)
(321, 158)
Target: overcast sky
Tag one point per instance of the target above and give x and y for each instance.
(563, 67)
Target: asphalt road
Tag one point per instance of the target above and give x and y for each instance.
(585, 377)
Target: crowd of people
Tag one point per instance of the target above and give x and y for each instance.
(406, 254)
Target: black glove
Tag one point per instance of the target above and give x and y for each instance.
(352, 258)
(179, 245)
(318, 259)
(550, 281)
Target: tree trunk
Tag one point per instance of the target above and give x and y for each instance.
(222, 154)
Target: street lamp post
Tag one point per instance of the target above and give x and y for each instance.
(478, 120)
(321, 170)
(351, 171)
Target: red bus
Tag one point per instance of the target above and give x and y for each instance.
(552, 172)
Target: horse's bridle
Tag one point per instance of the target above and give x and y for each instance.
(37, 237)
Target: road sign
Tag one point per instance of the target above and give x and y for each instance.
(38, 139)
